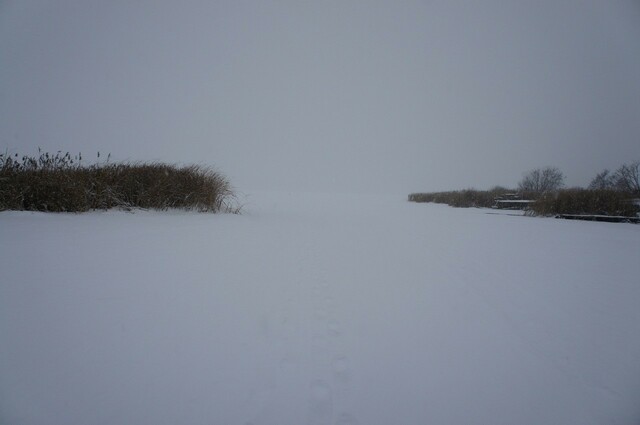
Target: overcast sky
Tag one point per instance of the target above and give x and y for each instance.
(337, 95)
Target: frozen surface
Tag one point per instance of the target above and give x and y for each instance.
(318, 309)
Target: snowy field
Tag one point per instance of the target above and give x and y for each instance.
(318, 309)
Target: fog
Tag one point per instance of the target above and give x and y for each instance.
(367, 96)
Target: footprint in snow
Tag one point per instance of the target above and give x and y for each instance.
(347, 419)
(288, 364)
(333, 327)
(320, 403)
(321, 314)
(340, 367)
(319, 342)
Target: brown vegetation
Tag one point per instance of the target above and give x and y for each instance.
(583, 201)
(462, 198)
(540, 193)
(58, 183)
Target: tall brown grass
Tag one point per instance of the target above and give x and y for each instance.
(59, 183)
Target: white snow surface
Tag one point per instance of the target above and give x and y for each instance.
(318, 309)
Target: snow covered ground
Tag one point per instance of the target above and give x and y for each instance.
(318, 309)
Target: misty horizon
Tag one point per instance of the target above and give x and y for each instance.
(332, 96)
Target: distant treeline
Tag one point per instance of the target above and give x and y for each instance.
(611, 194)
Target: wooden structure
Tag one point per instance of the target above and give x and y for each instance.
(511, 201)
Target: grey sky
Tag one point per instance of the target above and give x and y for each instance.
(328, 95)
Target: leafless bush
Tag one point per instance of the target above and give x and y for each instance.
(627, 178)
(541, 181)
(602, 181)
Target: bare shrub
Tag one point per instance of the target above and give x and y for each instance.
(627, 178)
(602, 181)
(541, 181)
